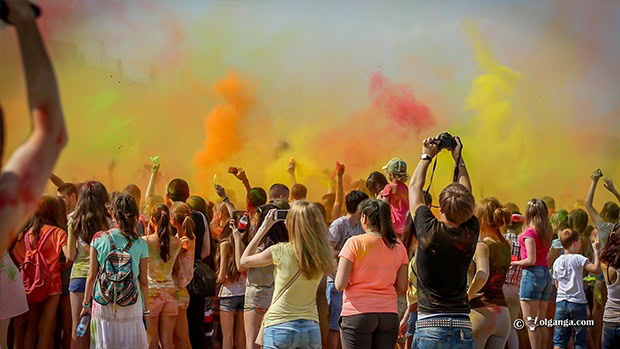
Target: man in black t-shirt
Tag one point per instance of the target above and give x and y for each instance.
(445, 250)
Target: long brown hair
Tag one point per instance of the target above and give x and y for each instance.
(46, 213)
(226, 241)
(160, 215)
(125, 212)
(91, 215)
(537, 216)
(308, 235)
(492, 215)
(181, 212)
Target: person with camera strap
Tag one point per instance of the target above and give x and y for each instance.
(445, 250)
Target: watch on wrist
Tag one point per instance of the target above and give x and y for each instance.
(426, 157)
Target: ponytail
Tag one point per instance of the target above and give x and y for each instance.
(493, 216)
(163, 232)
(189, 227)
(379, 218)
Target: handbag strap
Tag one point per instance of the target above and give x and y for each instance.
(287, 286)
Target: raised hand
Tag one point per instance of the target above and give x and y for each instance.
(221, 192)
(111, 165)
(339, 169)
(429, 147)
(20, 11)
(456, 152)
(596, 175)
(608, 183)
(290, 168)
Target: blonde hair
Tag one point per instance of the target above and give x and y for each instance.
(181, 213)
(491, 214)
(537, 216)
(308, 235)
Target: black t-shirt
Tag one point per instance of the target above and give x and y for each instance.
(201, 223)
(442, 259)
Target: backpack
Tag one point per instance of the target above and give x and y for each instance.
(115, 282)
(35, 271)
(204, 281)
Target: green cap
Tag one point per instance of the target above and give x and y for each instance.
(396, 166)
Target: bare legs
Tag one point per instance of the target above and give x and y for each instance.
(76, 307)
(251, 322)
(532, 310)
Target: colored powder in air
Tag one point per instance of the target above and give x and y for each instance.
(224, 132)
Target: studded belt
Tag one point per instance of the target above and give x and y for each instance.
(443, 322)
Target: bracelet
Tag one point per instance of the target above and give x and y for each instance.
(86, 305)
(224, 198)
(462, 164)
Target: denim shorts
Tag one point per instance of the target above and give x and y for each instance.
(77, 285)
(304, 334)
(565, 310)
(413, 317)
(535, 284)
(443, 338)
(611, 335)
(334, 301)
(232, 304)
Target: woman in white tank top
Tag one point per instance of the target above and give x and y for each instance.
(610, 262)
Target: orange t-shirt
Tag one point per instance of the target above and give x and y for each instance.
(375, 267)
(51, 252)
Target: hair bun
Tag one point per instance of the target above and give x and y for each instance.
(502, 217)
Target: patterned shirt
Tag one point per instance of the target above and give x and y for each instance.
(513, 276)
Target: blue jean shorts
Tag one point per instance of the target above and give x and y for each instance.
(334, 301)
(232, 304)
(304, 334)
(413, 317)
(565, 310)
(77, 285)
(443, 338)
(535, 284)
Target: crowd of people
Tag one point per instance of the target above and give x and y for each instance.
(374, 266)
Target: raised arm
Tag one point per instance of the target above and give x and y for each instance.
(150, 189)
(239, 247)
(595, 268)
(291, 171)
(243, 177)
(339, 201)
(111, 168)
(462, 176)
(57, 181)
(26, 173)
(221, 192)
(251, 259)
(416, 184)
(596, 218)
(609, 185)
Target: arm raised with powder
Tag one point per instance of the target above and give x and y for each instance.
(594, 216)
(416, 184)
(339, 201)
(25, 175)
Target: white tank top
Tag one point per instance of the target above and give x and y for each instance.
(612, 307)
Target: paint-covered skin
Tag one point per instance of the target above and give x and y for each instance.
(25, 174)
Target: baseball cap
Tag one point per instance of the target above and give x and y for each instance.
(396, 166)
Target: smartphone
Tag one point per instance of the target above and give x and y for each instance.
(281, 215)
(4, 11)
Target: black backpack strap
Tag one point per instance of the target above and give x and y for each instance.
(128, 246)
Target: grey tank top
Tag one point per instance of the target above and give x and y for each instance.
(612, 307)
